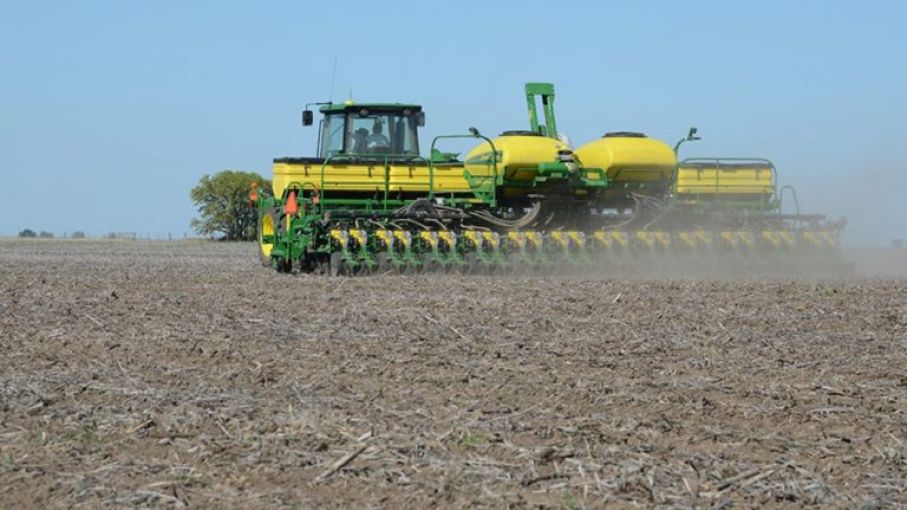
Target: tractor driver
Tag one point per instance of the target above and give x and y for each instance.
(377, 139)
(359, 140)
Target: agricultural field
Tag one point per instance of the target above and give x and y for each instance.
(183, 374)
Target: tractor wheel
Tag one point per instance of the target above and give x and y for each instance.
(268, 224)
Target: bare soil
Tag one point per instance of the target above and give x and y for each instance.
(182, 374)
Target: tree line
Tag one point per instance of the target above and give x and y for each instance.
(223, 205)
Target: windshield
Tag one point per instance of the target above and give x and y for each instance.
(372, 133)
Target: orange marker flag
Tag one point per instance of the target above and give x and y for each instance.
(253, 192)
(291, 207)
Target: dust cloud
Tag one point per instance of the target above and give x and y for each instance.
(869, 193)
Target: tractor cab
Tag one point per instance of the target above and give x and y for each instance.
(368, 131)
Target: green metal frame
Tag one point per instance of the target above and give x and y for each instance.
(490, 195)
(544, 91)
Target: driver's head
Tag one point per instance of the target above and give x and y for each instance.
(376, 128)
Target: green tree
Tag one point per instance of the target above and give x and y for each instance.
(28, 233)
(223, 204)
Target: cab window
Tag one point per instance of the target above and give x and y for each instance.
(332, 134)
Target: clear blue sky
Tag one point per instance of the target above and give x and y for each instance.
(112, 110)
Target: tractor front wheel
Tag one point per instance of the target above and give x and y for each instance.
(268, 225)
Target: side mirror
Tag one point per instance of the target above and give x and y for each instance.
(420, 119)
(307, 118)
(691, 137)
